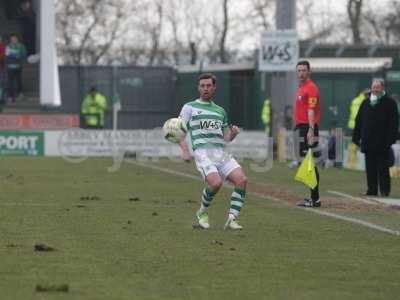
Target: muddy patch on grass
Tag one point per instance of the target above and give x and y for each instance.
(334, 203)
(41, 247)
(52, 288)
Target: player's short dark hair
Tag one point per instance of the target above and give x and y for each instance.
(304, 63)
(207, 76)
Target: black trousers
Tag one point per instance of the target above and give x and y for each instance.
(303, 149)
(377, 167)
(14, 78)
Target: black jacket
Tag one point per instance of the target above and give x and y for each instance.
(376, 127)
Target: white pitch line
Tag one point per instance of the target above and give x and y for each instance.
(30, 204)
(63, 206)
(356, 221)
(353, 198)
(340, 217)
(386, 201)
(316, 211)
(173, 172)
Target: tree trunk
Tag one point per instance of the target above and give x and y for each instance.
(222, 49)
(156, 34)
(193, 53)
(354, 12)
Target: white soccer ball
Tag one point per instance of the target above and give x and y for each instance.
(175, 130)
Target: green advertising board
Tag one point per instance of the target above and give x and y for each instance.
(393, 76)
(21, 143)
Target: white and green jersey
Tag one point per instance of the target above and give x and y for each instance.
(206, 122)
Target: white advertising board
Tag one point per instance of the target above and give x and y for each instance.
(78, 142)
(148, 143)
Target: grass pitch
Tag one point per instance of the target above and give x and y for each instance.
(129, 235)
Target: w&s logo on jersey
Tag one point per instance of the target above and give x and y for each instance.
(210, 124)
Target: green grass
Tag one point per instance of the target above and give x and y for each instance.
(346, 181)
(114, 248)
(281, 177)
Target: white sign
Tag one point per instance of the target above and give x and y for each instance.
(279, 51)
(144, 143)
(84, 143)
(251, 144)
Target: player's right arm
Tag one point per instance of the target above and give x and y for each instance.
(185, 153)
(186, 114)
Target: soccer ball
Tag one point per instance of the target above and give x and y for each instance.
(175, 130)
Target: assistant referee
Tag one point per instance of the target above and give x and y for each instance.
(307, 117)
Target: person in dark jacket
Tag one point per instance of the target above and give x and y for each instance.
(15, 59)
(374, 132)
(27, 19)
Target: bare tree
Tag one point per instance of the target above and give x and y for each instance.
(225, 26)
(66, 11)
(194, 35)
(165, 32)
(246, 26)
(391, 23)
(306, 14)
(153, 27)
(212, 52)
(321, 24)
(260, 9)
(88, 30)
(354, 8)
(201, 33)
(175, 21)
(381, 25)
(377, 27)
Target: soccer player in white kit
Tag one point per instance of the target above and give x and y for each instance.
(209, 131)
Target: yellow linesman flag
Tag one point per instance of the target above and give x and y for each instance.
(306, 172)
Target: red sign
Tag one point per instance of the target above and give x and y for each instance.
(38, 121)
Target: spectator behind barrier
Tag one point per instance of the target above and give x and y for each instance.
(27, 18)
(15, 58)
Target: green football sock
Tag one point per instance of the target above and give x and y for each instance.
(206, 198)
(237, 201)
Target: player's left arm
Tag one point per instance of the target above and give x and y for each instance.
(231, 132)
